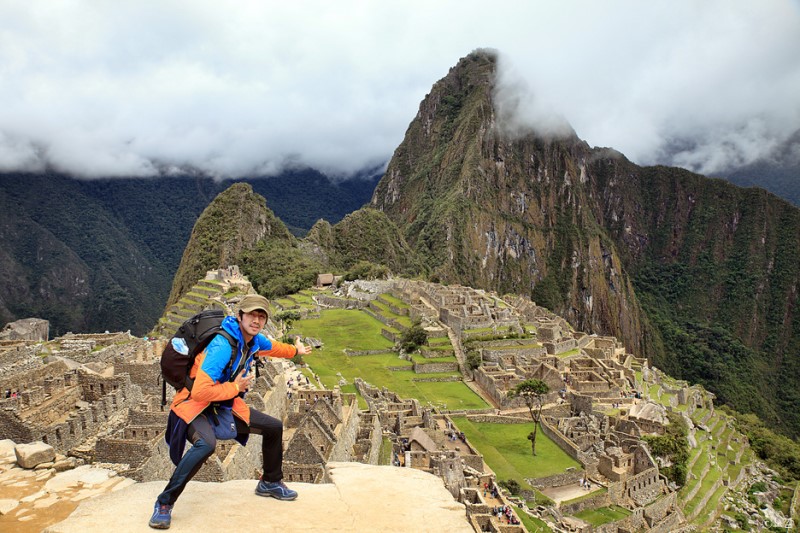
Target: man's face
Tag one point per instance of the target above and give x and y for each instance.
(253, 322)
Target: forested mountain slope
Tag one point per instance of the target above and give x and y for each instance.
(695, 273)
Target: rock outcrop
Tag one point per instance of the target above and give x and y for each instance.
(361, 498)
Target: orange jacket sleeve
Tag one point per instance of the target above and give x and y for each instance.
(268, 348)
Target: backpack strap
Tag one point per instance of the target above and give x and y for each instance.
(234, 349)
(234, 345)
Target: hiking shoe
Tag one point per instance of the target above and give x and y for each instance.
(162, 516)
(275, 489)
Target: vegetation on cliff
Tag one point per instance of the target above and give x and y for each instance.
(694, 273)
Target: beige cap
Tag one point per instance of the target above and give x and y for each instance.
(251, 302)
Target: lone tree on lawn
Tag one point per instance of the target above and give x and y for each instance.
(532, 392)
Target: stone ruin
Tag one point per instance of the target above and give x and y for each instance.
(97, 397)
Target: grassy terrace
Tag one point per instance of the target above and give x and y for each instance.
(356, 330)
(514, 347)
(419, 358)
(396, 302)
(568, 353)
(507, 451)
(706, 473)
(384, 310)
(533, 524)
(603, 515)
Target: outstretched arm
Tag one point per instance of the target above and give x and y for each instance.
(270, 348)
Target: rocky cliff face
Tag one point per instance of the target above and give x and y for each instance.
(695, 273)
(506, 212)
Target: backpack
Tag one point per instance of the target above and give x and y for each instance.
(191, 339)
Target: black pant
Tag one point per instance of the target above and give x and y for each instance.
(201, 435)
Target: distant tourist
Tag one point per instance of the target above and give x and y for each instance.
(190, 416)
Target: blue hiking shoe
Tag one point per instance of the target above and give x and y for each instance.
(277, 490)
(162, 516)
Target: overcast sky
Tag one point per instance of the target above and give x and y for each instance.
(138, 87)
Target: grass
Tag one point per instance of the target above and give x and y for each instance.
(396, 302)
(699, 414)
(592, 494)
(362, 403)
(568, 353)
(515, 347)
(507, 450)
(710, 509)
(421, 359)
(603, 515)
(532, 524)
(385, 455)
(345, 328)
(356, 330)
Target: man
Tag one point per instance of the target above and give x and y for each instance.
(212, 372)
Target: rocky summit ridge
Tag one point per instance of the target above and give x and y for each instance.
(696, 274)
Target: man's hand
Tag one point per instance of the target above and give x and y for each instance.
(302, 349)
(243, 381)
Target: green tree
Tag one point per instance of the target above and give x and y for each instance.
(413, 337)
(672, 447)
(473, 359)
(288, 317)
(532, 392)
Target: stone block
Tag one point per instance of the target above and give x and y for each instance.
(7, 447)
(8, 505)
(33, 454)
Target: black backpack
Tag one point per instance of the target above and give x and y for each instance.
(196, 332)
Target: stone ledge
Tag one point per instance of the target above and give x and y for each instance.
(361, 498)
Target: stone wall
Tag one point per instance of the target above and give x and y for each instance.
(50, 412)
(565, 444)
(243, 462)
(593, 502)
(133, 452)
(146, 376)
(670, 523)
(498, 419)
(347, 434)
(340, 303)
(157, 466)
(558, 480)
(31, 373)
(643, 488)
(659, 509)
(474, 461)
(433, 368)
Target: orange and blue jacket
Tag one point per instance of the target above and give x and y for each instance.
(213, 375)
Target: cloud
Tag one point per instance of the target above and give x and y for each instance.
(137, 88)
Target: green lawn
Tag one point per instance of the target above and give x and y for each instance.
(532, 524)
(344, 328)
(444, 358)
(341, 328)
(507, 450)
(568, 353)
(396, 302)
(603, 515)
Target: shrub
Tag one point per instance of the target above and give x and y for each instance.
(474, 359)
(512, 485)
(413, 338)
